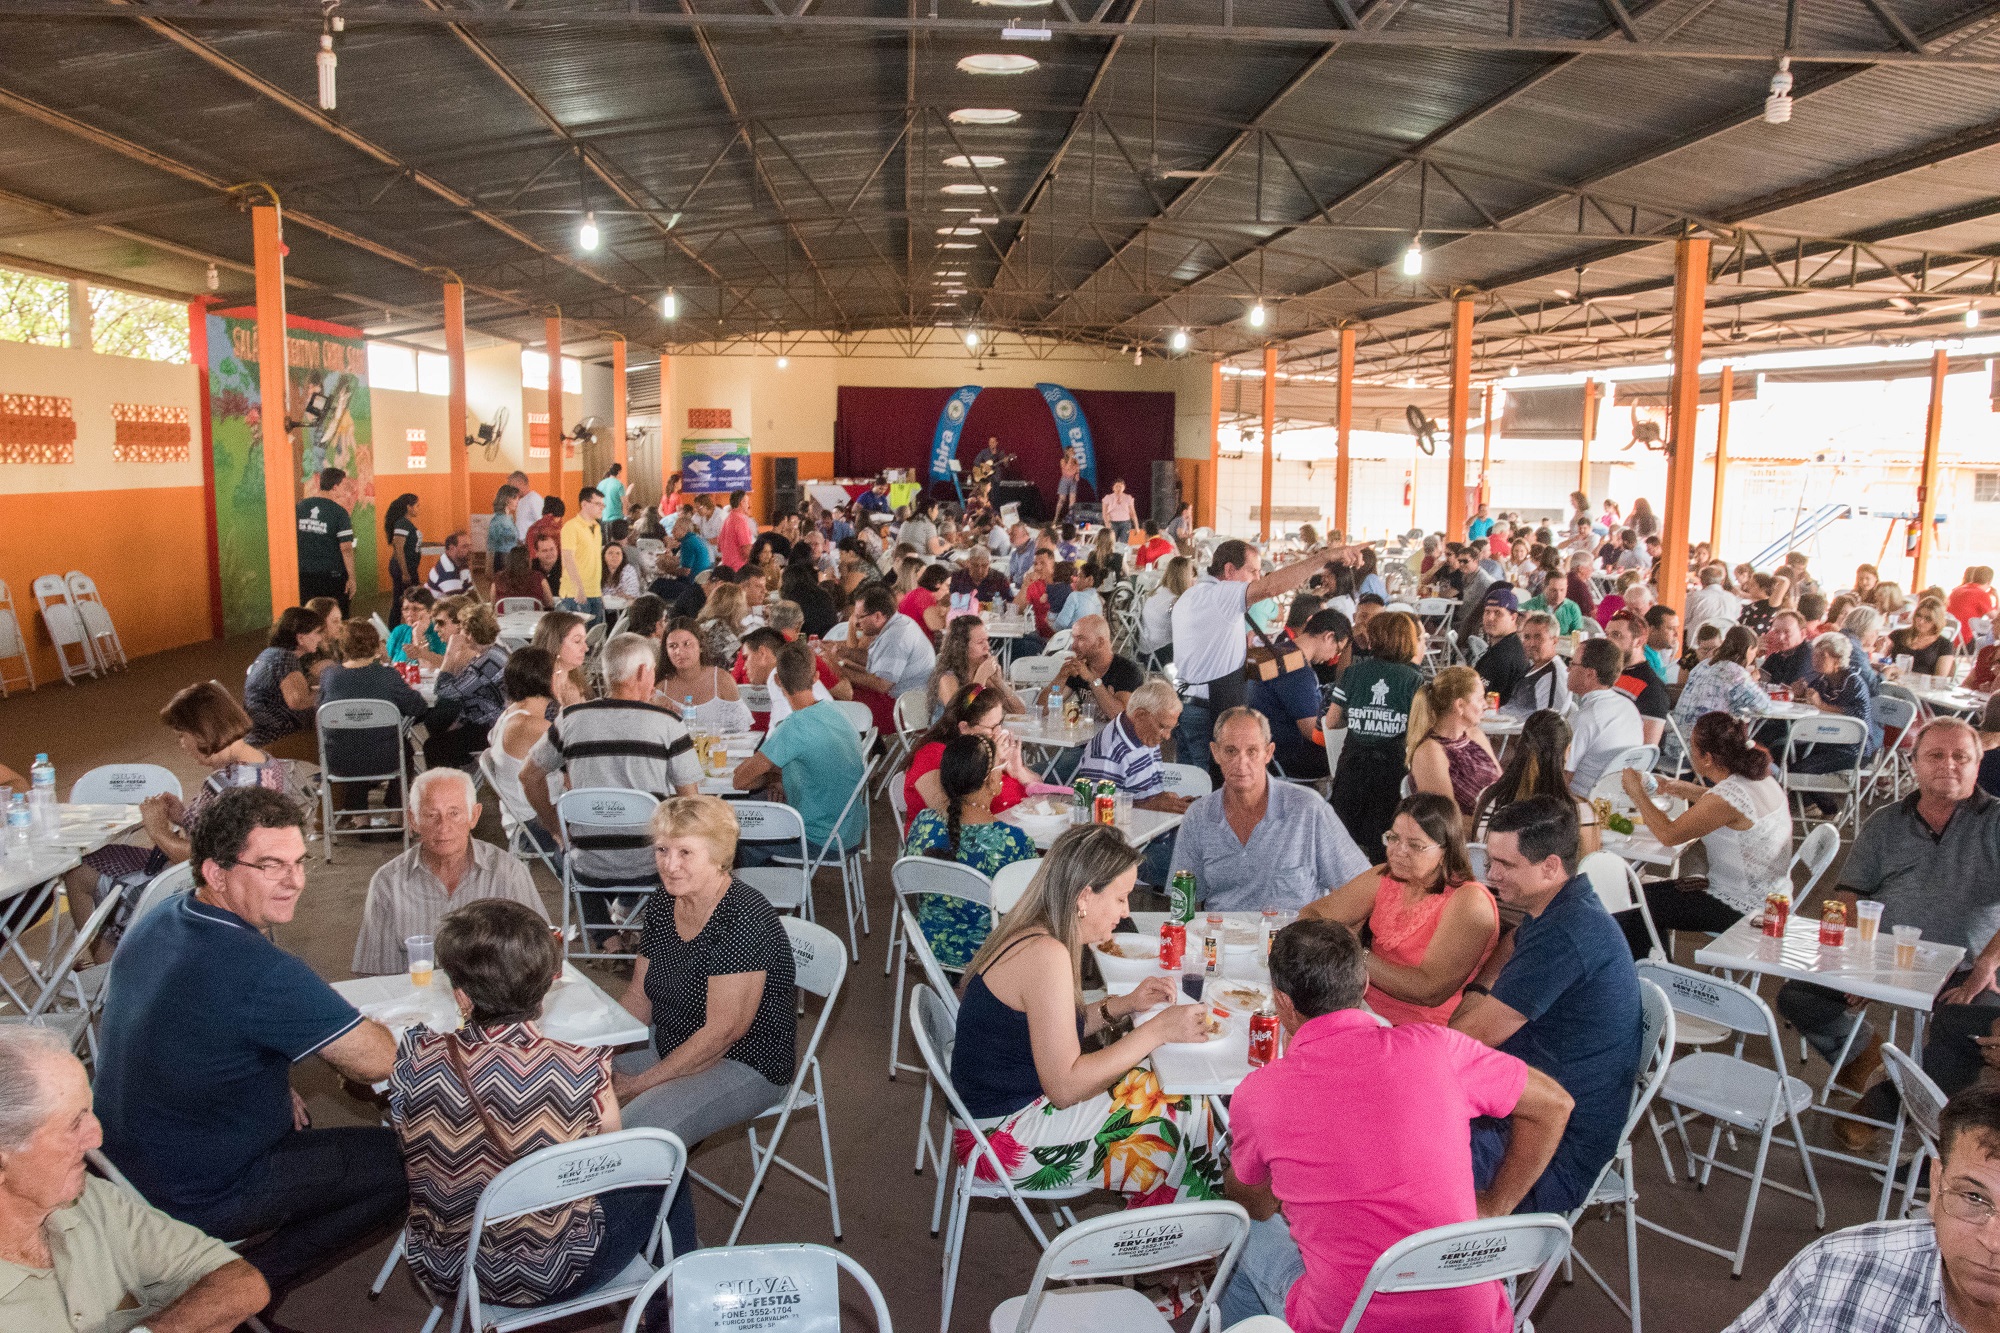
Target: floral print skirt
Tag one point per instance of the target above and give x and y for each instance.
(1134, 1139)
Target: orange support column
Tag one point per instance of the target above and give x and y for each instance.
(281, 469)
(1927, 485)
(618, 446)
(554, 335)
(1721, 462)
(1270, 438)
(456, 451)
(1690, 299)
(1211, 472)
(1343, 465)
(1486, 448)
(1460, 410)
(1589, 434)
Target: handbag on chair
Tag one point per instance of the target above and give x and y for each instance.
(1270, 661)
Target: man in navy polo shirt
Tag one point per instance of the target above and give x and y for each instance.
(1566, 1000)
(203, 1021)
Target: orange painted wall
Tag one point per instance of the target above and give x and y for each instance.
(146, 549)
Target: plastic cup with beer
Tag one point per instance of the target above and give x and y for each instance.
(422, 951)
(1906, 946)
(1868, 920)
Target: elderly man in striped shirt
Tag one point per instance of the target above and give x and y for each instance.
(1126, 753)
(448, 868)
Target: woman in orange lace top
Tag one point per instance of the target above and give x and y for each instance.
(1431, 925)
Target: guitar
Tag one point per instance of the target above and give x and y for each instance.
(985, 471)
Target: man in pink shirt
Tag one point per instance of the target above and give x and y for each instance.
(1361, 1134)
(739, 533)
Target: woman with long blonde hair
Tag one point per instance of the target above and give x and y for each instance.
(1447, 752)
(722, 626)
(564, 636)
(1067, 1116)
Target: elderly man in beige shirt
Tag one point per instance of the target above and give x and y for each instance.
(78, 1251)
(446, 869)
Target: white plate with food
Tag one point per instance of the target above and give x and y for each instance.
(1047, 815)
(1127, 959)
(1239, 997)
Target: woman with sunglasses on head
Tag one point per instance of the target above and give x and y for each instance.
(1431, 924)
(976, 710)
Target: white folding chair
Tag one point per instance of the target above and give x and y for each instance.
(1617, 886)
(353, 718)
(913, 717)
(1845, 783)
(13, 644)
(819, 965)
(1922, 1102)
(123, 784)
(1012, 882)
(1816, 854)
(515, 817)
(1189, 780)
(933, 1027)
(914, 877)
(73, 996)
(66, 629)
(559, 1174)
(787, 885)
(1898, 718)
(1617, 1186)
(1105, 1251)
(1734, 1092)
(1610, 781)
(707, 1286)
(174, 879)
(602, 819)
(1465, 1254)
(96, 617)
(1058, 643)
(1034, 672)
(510, 606)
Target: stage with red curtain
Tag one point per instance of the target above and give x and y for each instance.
(881, 428)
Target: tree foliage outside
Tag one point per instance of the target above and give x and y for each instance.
(34, 309)
(122, 324)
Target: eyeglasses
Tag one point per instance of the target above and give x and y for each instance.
(275, 872)
(1973, 1209)
(1410, 845)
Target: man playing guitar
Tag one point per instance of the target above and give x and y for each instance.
(990, 464)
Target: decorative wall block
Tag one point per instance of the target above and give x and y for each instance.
(150, 433)
(36, 428)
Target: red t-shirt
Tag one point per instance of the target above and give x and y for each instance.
(915, 602)
(1968, 602)
(740, 673)
(1037, 594)
(1158, 548)
(926, 760)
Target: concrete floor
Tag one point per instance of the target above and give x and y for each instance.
(885, 1208)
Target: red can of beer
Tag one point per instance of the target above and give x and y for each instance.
(412, 672)
(1104, 809)
(1777, 907)
(1263, 1039)
(1173, 945)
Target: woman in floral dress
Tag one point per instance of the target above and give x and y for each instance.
(964, 831)
(1056, 1114)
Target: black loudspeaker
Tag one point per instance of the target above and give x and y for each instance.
(785, 474)
(1166, 491)
(785, 500)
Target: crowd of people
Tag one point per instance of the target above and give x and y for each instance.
(1408, 751)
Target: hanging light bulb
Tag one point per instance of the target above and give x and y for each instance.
(1972, 317)
(328, 62)
(1138, 356)
(214, 278)
(784, 361)
(1513, 371)
(1778, 106)
(1413, 258)
(1257, 315)
(670, 305)
(586, 235)
(1179, 341)
(972, 337)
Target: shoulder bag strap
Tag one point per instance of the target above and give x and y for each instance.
(457, 1058)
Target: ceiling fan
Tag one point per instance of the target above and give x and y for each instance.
(1153, 170)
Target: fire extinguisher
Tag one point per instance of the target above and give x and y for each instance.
(1406, 485)
(1911, 531)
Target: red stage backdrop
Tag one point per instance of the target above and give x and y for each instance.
(880, 428)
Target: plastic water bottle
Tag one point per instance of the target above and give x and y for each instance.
(42, 797)
(20, 825)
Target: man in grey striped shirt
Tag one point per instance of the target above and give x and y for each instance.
(446, 869)
(623, 740)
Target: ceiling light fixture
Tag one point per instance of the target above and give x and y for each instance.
(327, 61)
(1413, 258)
(950, 272)
(1513, 371)
(586, 235)
(964, 187)
(1972, 317)
(972, 337)
(214, 278)
(1014, 4)
(998, 63)
(783, 362)
(1778, 106)
(1138, 356)
(1179, 342)
(958, 231)
(975, 161)
(1258, 315)
(985, 221)
(1015, 31)
(958, 245)
(984, 115)
(670, 305)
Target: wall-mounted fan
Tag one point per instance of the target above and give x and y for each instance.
(585, 432)
(1422, 427)
(1649, 434)
(489, 434)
